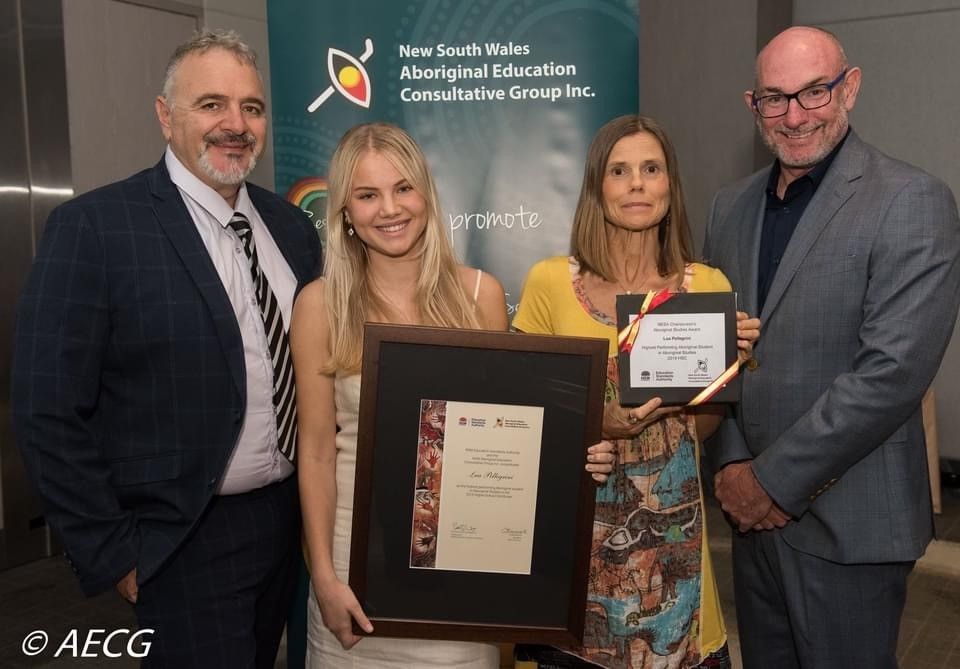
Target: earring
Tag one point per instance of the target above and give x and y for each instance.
(350, 231)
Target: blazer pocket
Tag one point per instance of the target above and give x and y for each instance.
(137, 471)
(830, 264)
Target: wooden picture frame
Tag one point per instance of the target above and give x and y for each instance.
(404, 366)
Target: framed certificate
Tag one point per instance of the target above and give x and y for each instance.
(681, 347)
(472, 510)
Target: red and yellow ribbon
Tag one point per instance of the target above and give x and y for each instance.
(628, 335)
(715, 385)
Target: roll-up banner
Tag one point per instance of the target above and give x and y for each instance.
(503, 96)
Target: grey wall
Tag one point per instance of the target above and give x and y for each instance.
(111, 85)
(693, 68)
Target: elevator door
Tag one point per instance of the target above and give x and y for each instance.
(81, 116)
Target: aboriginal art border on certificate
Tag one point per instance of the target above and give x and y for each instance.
(429, 474)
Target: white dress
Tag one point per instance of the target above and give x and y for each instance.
(323, 649)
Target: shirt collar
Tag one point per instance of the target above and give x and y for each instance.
(202, 194)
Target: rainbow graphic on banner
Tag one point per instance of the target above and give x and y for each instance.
(310, 194)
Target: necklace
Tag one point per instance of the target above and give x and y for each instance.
(625, 289)
(641, 289)
(631, 281)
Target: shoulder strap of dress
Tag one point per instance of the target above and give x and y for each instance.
(476, 287)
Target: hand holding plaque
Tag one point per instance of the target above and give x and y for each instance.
(681, 347)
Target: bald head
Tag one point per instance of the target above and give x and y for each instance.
(801, 44)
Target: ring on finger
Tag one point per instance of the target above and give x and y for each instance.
(632, 418)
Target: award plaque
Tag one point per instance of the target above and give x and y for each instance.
(472, 508)
(680, 347)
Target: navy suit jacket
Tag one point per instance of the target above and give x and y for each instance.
(128, 372)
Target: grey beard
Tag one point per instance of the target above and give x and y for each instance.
(232, 176)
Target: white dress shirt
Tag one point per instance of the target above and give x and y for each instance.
(256, 461)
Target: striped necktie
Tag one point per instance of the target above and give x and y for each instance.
(283, 384)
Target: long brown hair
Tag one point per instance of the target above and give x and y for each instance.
(588, 239)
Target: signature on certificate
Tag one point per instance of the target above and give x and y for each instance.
(513, 534)
(463, 529)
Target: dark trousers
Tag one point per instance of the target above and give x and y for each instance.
(799, 611)
(223, 599)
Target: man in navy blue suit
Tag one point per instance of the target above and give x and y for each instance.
(153, 394)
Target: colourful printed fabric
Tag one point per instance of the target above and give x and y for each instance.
(652, 599)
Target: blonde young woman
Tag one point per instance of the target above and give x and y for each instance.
(387, 260)
(652, 598)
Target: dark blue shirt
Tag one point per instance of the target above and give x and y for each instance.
(780, 218)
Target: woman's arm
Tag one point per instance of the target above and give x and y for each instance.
(317, 461)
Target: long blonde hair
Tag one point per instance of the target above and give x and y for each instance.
(589, 243)
(439, 297)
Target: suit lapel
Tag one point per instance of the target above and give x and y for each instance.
(838, 186)
(749, 210)
(175, 221)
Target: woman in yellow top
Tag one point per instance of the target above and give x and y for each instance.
(652, 597)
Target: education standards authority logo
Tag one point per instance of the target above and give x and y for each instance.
(348, 76)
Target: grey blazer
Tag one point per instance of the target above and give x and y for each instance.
(854, 327)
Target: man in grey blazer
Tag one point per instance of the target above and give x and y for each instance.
(851, 260)
(152, 395)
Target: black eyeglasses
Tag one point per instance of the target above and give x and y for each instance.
(811, 97)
